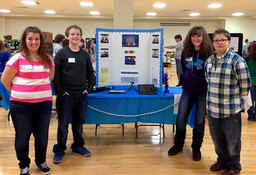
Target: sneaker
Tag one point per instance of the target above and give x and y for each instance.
(24, 171)
(218, 166)
(82, 151)
(44, 168)
(57, 157)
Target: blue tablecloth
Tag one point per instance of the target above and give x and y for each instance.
(130, 107)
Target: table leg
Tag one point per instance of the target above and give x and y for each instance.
(9, 115)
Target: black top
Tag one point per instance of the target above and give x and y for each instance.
(194, 73)
(73, 72)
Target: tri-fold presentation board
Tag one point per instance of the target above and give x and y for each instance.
(126, 56)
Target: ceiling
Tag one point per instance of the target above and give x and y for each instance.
(175, 9)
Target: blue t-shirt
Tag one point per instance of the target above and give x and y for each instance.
(4, 57)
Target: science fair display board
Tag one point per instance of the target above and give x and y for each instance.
(129, 56)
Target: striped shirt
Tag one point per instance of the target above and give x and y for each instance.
(228, 80)
(31, 83)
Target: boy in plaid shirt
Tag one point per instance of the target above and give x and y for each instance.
(228, 80)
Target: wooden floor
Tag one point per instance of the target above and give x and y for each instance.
(116, 154)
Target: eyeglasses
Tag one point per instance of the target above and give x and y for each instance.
(220, 41)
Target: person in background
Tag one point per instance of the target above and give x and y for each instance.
(90, 50)
(58, 43)
(250, 46)
(65, 42)
(73, 81)
(228, 81)
(6, 38)
(27, 75)
(81, 44)
(252, 69)
(245, 48)
(197, 48)
(179, 47)
(5, 54)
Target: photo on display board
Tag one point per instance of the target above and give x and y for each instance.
(130, 60)
(104, 53)
(130, 40)
(155, 53)
(104, 38)
(155, 39)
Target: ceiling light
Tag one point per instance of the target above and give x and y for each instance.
(159, 5)
(194, 14)
(87, 4)
(215, 5)
(94, 13)
(29, 2)
(151, 13)
(4, 11)
(238, 14)
(49, 12)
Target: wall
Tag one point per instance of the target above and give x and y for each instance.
(243, 25)
(15, 25)
(171, 31)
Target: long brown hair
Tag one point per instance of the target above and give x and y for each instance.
(2, 47)
(88, 44)
(252, 54)
(42, 50)
(206, 47)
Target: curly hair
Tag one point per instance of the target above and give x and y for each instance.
(42, 50)
(206, 47)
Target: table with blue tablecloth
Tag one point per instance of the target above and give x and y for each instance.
(129, 107)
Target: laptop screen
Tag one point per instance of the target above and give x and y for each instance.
(146, 89)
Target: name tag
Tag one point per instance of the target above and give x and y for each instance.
(28, 67)
(71, 60)
(189, 59)
(209, 65)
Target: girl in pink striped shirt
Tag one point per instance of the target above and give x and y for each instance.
(28, 75)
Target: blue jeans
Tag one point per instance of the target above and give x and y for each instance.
(226, 136)
(187, 100)
(252, 111)
(31, 118)
(67, 106)
(178, 68)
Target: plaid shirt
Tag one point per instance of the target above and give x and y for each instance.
(228, 80)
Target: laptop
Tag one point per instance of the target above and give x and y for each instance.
(146, 89)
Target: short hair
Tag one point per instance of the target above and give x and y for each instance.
(73, 27)
(178, 37)
(58, 38)
(222, 31)
(246, 40)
